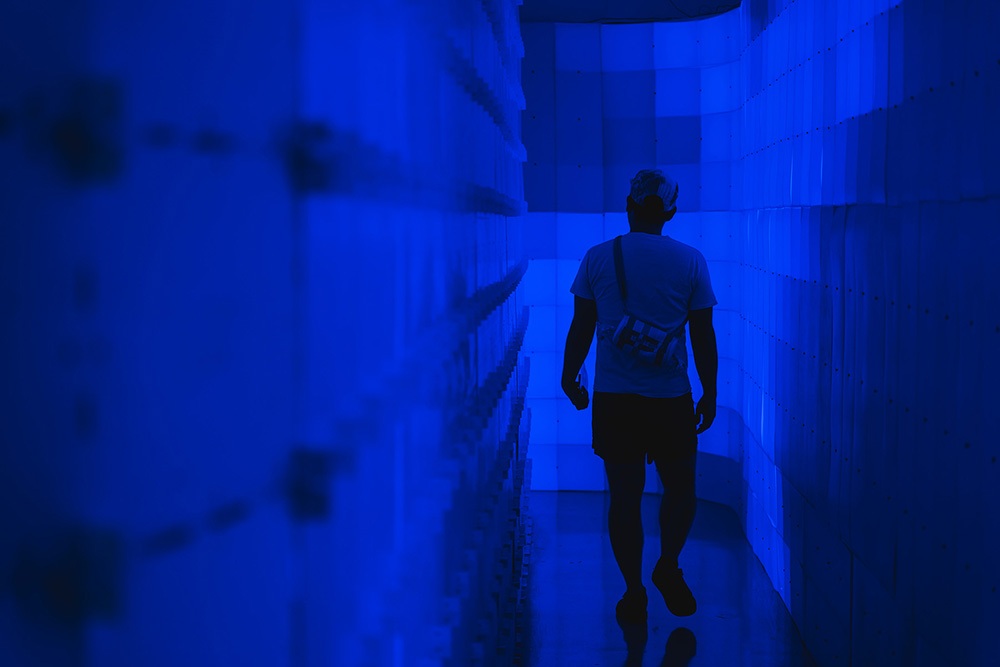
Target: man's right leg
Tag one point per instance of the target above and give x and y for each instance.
(676, 516)
(677, 507)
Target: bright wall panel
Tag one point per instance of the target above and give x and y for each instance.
(637, 91)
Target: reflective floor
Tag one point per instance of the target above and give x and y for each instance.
(575, 584)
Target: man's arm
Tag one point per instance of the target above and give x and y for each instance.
(706, 361)
(578, 340)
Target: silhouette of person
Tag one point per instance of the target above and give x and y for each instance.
(644, 413)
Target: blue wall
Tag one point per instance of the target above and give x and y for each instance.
(844, 190)
(262, 390)
(870, 324)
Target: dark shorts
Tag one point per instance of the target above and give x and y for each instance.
(628, 426)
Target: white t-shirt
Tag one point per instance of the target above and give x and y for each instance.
(666, 279)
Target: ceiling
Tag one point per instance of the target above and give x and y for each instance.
(621, 11)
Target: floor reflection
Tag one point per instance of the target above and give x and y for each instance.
(574, 585)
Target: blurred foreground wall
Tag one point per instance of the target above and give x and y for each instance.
(262, 390)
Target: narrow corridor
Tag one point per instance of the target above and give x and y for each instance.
(288, 288)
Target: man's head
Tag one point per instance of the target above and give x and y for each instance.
(652, 200)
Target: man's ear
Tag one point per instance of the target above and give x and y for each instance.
(669, 216)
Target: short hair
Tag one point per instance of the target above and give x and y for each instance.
(649, 182)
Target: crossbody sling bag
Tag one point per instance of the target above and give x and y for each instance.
(647, 342)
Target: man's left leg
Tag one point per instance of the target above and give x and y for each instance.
(626, 482)
(613, 422)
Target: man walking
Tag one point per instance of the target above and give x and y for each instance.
(643, 410)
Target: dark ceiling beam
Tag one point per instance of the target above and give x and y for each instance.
(622, 11)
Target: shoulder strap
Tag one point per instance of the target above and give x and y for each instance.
(623, 287)
(620, 271)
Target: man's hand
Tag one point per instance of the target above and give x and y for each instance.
(578, 340)
(705, 413)
(577, 395)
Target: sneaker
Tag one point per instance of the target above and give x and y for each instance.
(632, 607)
(677, 595)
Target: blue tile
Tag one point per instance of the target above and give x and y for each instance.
(678, 139)
(627, 47)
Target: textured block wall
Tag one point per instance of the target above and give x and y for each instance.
(602, 103)
(867, 188)
(262, 381)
